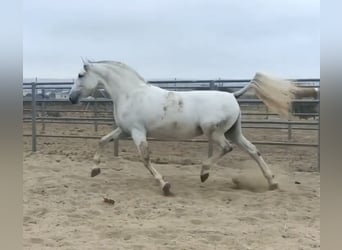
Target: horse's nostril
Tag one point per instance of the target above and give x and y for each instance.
(72, 100)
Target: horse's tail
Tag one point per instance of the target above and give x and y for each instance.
(277, 94)
(240, 92)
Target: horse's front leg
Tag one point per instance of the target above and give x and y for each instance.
(104, 140)
(139, 138)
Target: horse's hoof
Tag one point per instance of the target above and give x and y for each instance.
(204, 177)
(95, 171)
(273, 186)
(166, 189)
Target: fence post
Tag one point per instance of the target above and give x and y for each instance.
(116, 143)
(34, 132)
(289, 131)
(116, 147)
(319, 131)
(95, 115)
(212, 85)
(210, 148)
(43, 111)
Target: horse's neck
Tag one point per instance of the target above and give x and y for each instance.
(117, 82)
(118, 87)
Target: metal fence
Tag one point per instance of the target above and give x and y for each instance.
(96, 116)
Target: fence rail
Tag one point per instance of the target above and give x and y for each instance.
(100, 116)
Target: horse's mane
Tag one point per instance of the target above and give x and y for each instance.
(120, 65)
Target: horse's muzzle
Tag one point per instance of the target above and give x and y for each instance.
(74, 97)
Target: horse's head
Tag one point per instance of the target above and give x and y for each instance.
(85, 84)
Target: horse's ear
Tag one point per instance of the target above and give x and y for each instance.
(86, 63)
(83, 60)
(86, 67)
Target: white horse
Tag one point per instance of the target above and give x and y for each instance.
(142, 110)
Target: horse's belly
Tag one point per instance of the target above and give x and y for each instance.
(175, 130)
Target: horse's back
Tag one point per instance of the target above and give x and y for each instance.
(212, 103)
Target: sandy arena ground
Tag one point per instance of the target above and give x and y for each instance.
(64, 207)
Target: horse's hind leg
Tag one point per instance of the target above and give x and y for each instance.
(104, 140)
(237, 137)
(139, 138)
(225, 146)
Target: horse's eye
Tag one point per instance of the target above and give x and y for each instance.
(80, 75)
